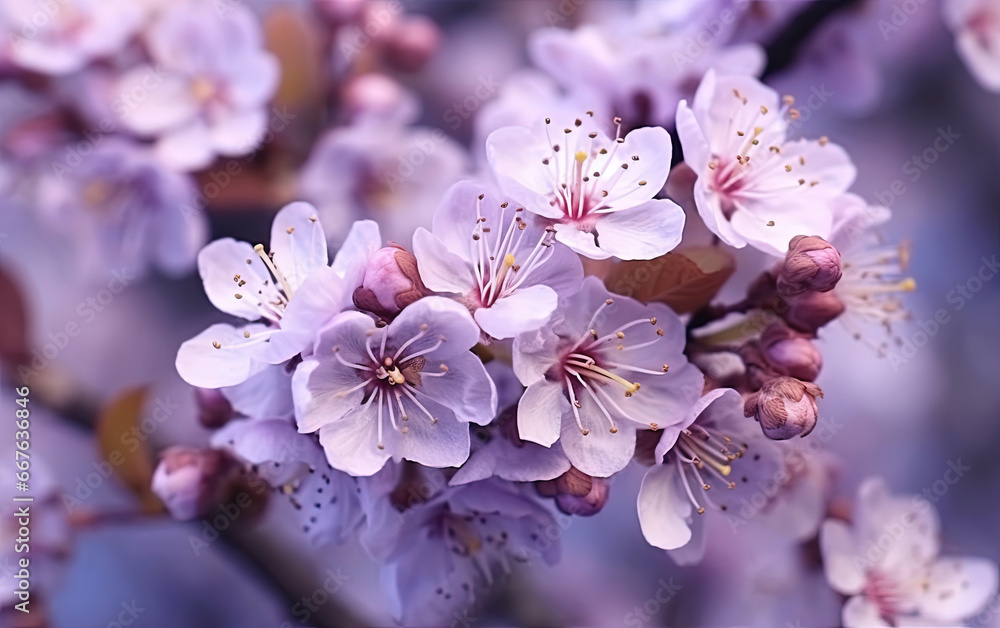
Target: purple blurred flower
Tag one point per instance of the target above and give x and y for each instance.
(498, 259)
(976, 24)
(205, 94)
(386, 172)
(597, 191)
(888, 563)
(752, 180)
(325, 501)
(122, 208)
(599, 373)
(292, 290)
(407, 390)
(62, 37)
(713, 447)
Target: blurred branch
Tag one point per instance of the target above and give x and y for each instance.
(782, 51)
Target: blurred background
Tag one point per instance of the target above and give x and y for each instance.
(95, 301)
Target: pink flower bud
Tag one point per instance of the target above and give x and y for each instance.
(577, 493)
(811, 264)
(214, 410)
(376, 97)
(410, 43)
(790, 353)
(391, 282)
(784, 407)
(811, 310)
(189, 481)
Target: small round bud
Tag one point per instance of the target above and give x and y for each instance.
(391, 282)
(812, 310)
(214, 410)
(784, 407)
(409, 43)
(811, 265)
(790, 353)
(190, 481)
(577, 493)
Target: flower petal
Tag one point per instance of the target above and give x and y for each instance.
(440, 269)
(844, 571)
(540, 413)
(298, 244)
(643, 232)
(958, 588)
(663, 508)
(524, 310)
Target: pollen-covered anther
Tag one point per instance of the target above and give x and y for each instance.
(216, 344)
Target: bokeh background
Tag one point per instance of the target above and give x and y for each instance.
(888, 99)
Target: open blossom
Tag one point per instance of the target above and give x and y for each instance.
(290, 292)
(609, 366)
(324, 500)
(406, 390)
(444, 546)
(756, 186)
(207, 90)
(888, 563)
(874, 273)
(62, 37)
(596, 191)
(498, 259)
(711, 460)
(976, 24)
(122, 208)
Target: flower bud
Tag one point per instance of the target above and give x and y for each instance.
(214, 410)
(577, 493)
(790, 353)
(391, 282)
(189, 481)
(341, 12)
(784, 407)
(410, 43)
(811, 264)
(812, 310)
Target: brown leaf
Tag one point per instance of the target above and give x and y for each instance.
(13, 323)
(685, 280)
(133, 464)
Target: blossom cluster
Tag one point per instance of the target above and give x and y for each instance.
(440, 349)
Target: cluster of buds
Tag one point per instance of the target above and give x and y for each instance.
(783, 361)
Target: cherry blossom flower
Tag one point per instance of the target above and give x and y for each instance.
(497, 258)
(291, 292)
(754, 185)
(443, 546)
(325, 500)
(406, 390)
(888, 563)
(596, 191)
(714, 447)
(609, 366)
(122, 208)
(62, 37)
(206, 92)
(976, 24)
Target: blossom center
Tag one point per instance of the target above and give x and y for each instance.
(584, 172)
(703, 454)
(503, 258)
